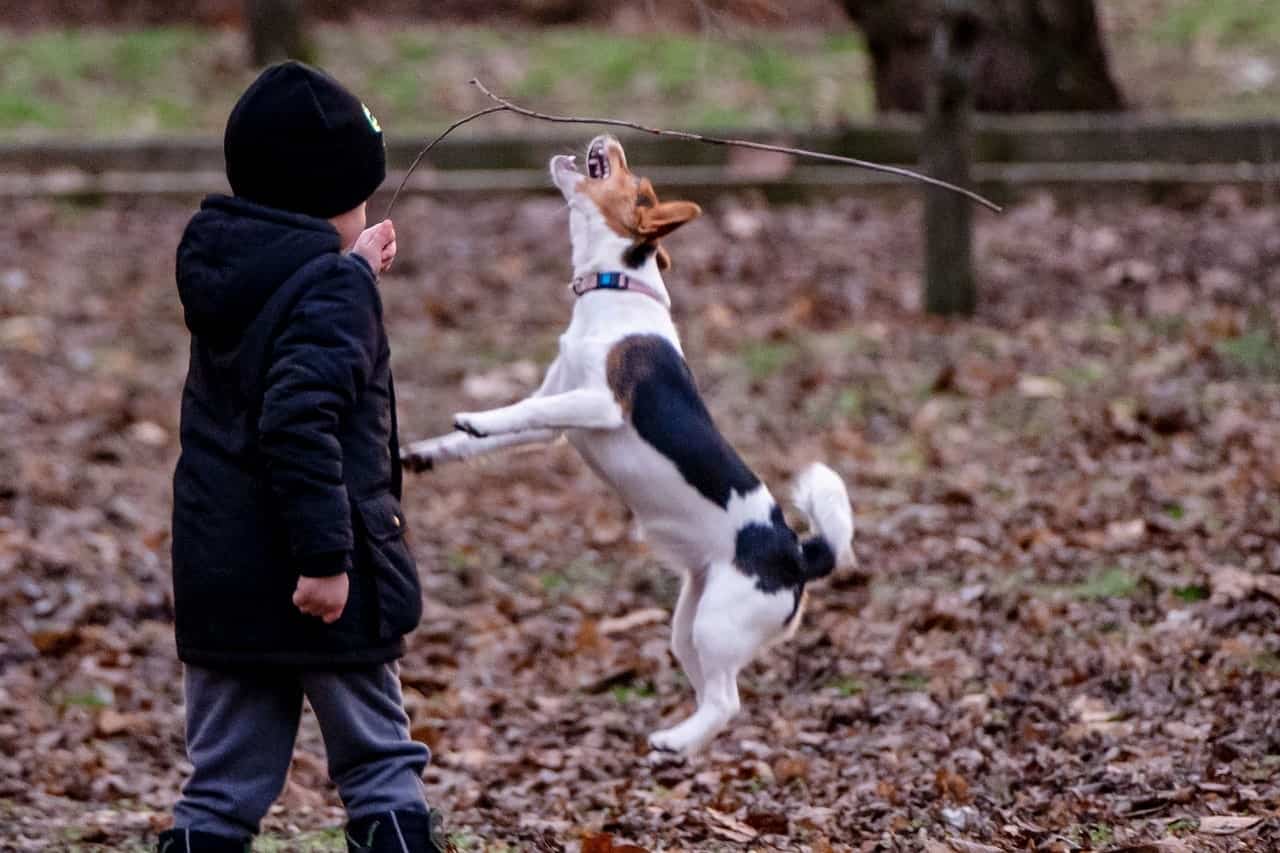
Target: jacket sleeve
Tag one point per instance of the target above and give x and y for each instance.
(318, 367)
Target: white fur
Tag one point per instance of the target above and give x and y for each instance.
(721, 619)
(820, 495)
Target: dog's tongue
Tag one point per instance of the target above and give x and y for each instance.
(597, 163)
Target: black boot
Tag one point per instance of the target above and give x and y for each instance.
(191, 841)
(397, 832)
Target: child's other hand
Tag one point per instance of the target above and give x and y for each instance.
(377, 245)
(322, 597)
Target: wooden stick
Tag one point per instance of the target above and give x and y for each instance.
(432, 144)
(504, 105)
(743, 143)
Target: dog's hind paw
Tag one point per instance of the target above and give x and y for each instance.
(668, 742)
(665, 758)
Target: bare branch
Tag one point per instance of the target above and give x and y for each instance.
(742, 143)
(432, 144)
(504, 105)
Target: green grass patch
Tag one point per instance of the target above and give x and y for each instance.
(847, 687)
(552, 581)
(320, 841)
(913, 681)
(1096, 834)
(414, 76)
(1191, 593)
(837, 404)
(1111, 583)
(416, 46)
(1231, 22)
(1256, 352)
(1082, 375)
(20, 109)
(850, 403)
(763, 360)
(87, 699)
(1267, 662)
(1182, 826)
(581, 574)
(102, 81)
(465, 840)
(626, 693)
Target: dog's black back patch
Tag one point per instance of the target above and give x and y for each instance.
(653, 385)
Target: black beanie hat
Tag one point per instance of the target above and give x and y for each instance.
(298, 141)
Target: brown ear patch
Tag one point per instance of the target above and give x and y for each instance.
(662, 219)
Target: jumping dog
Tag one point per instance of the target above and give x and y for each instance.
(622, 394)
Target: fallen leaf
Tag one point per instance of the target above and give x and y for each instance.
(768, 823)
(727, 826)
(1227, 824)
(1041, 387)
(632, 620)
(787, 769)
(112, 722)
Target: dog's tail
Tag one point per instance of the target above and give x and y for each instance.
(820, 494)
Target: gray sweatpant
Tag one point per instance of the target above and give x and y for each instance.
(241, 729)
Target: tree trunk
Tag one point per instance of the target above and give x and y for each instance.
(946, 152)
(275, 31)
(1030, 55)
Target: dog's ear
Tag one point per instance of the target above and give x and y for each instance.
(664, 259)
(661, 219)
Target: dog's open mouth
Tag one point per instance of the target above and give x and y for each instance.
(597, 160)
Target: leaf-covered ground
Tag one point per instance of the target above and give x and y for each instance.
(1062, 634)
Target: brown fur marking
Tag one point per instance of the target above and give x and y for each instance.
(630, 205)
(627, 365)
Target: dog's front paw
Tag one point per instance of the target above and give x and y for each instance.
(419, 456)
(470, 423)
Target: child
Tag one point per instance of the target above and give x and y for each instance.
(291, 574)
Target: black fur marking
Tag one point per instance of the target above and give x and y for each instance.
(819, 559)
(770, 554)
(652, 382)
(637, 253)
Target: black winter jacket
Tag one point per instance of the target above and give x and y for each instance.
(290, 459)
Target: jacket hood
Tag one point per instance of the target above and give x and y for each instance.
(235, 254)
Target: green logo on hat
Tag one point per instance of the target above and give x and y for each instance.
(373, 122)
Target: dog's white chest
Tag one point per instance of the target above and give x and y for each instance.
(679, 523)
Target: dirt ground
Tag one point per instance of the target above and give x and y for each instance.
(1062, 634)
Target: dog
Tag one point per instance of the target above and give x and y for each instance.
(622, 394)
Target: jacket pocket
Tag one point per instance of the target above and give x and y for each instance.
(387, 557)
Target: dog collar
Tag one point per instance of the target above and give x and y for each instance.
(614, 281)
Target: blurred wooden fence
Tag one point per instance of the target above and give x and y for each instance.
(1009, 153)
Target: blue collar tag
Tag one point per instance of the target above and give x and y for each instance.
(609, 280)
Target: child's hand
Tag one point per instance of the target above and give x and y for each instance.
(322, 597)
(377, 245)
